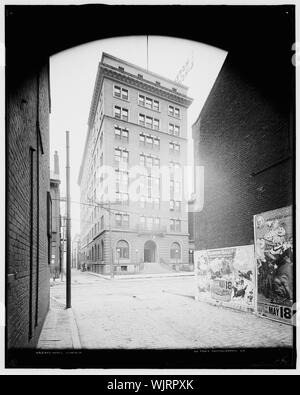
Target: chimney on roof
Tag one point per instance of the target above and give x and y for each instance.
(56, 163)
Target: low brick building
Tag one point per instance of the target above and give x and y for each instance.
(28, 204)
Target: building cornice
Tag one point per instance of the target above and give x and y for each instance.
(132, 80)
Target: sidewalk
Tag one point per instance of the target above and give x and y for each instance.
(60, 329)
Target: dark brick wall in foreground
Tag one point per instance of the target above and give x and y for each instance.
(244, 140)
(27, 103)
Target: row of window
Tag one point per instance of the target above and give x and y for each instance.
(147, 201)
(121, 92)
(149, 223)
(146, 140)
(145, 120)
(149, 161)
(122, 251)
(145, 101)
(149, 122)
(121, 133)
(149, 141)
(148, 103)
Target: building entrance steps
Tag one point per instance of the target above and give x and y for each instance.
(154, 267)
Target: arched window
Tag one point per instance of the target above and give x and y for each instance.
(122, 249)
(175, 252)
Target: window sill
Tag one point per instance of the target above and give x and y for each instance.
(121, 98)
(151, 109)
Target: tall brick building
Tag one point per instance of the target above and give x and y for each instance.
(243, 138)
(137, 118)
(28, 204)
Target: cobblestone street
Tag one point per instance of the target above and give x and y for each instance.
(160, 313)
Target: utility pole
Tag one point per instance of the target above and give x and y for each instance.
(68, 220)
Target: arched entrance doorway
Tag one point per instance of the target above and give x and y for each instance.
(150, 251)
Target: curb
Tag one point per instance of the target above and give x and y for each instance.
(73, 325)
(74, 330)
(140, 276)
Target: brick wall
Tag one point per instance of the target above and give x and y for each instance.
(244, 142)
(27, 269)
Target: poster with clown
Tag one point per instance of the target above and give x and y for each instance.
(273, 231)
(226, 275)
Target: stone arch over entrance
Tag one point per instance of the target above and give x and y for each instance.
(150, 251)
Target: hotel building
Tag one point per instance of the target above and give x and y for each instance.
(137, 120)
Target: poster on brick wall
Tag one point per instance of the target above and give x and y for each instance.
(273, 232)
(226, 275)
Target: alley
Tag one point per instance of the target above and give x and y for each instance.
(159, 313)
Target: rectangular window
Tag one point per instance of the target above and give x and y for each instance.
(124, 114)
(171, 110)
(156, 142)
(117, 91)
(125, 135)
(176, 147)
(172, 225)
(156, 162)
(174, 111)
(178, 206)
(176, 130)
(142, 119)
(149, 221)
(148, 102)
(149, 141)
(149, 122)
(117, 155)
(155, 105)
(142, 138)
(118, 218)
(124, 93)
(142, 160)
(141, 100)
(156, 124)
(122, 220)
(148, 161)
(118, 132)
(120, 92)
(126, 220)
(117, 112)
(156, 203)
(143, 202)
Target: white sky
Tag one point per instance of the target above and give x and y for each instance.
(73, 73)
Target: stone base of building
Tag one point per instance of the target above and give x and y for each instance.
(128, 268)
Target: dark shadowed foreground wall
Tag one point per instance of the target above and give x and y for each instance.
(244, 139)
(27, 161)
